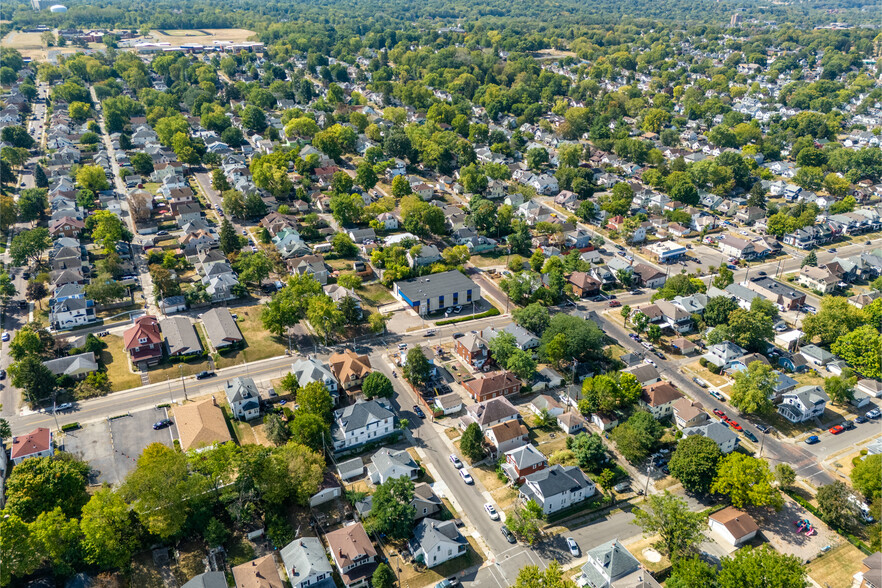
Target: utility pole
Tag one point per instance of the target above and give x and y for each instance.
(183, 384)
(170, 397)
(649, 470)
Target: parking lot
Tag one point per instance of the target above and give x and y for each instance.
(112, 447)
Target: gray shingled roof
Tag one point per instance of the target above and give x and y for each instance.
(305, 557)
(358, 415)
(180, 336)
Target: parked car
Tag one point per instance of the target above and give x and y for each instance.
(700, 382)
(874, 414)
(509, 536)
(5, 336)
(720, 413)
(659, 354)
(466, 476)
(162, 424)
(63, 406)
(402, 346)
(848, 425)
(750, 436)
(763, 428)
(205, 374)
(457, 309)
(650, 362)
(858, 419)
(614, 303)
(458, 335)
(429, 333)
(2, 374)
(419, 411)
(491, 511)
(812, 440)
(622, 486)
(837, 429)
(455, 461)
(718, 396)
(735, 425)
(574, 547)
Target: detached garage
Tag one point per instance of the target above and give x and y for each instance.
(734, 526)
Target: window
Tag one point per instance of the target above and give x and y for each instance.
(142, 340)
(456, 297)
(468, 295)
(441, 301)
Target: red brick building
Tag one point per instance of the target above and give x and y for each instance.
(493, 385)
(143, 341)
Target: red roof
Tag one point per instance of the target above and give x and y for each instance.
(34, 442)
(145, 327)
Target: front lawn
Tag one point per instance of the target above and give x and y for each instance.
(833, 568)
(117, 362)
(259, 343)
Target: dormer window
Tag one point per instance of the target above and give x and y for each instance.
(142, 340)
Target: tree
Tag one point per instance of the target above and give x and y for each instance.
(750, 329)
(161, 490)
(524, 521)
(107, 229)
(39, 485)
(536, 158)
(521, 364)
(724, 277)
(253, 267)
(417, 368)
(365, 175)
(21, 554)
(57, 537)
(253, 118)
(28, 246)
(104, 289)
(40, 178)
(691, 572)
(694, 463)
(288, 306)
(835, 502)
(551, 577)
(26, 342)
(654, 333)
(324, 316)
(314, 398)
(32, 204)
(584, 339)
(310, 430)
(400, 187)
(865, 477)
(754, 388)
(391, 510)
(862, 350)
(108, 528)
(343, 245)
(839, 389)
(811, 259)
(377, 322)
(761, 567)
(835, 318)
(34, 378)
(747, 481)
(383, 577)
(472, 442)
(784, 475)
(533, 317)
(680, 529)
(92, 177)
(588, 450)
(289, 384)
(229, 240)
(377, 385)
(275, 429)
(636, 437)
(501, 347)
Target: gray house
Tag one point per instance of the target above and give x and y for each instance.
(435, 542)
(307, 564)
(221, 328)
(387, 464)
(243, 398)
(75, 366)
(180, 336)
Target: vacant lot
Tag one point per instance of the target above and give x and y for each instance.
(828, 569)
(117, 362)
(204, 36)
(259, 344)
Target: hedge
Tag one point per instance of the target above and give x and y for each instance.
(851, 538)
(492, 312)
(70, 427)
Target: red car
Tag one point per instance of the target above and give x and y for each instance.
(837, 429)
(720, 414)
(735, 425)
(614, 303)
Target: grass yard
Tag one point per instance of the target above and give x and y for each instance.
(259, 344)
(548, 441)
(643, 546)
(117, 362)
(375, 295)
(489, 259)
(190, 562)
(705, 374)
(151, 187)
(834, 568)
(430, 576)
(204, 36)
(240, 552)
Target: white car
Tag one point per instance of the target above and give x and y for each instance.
(466, 476)
(650, 362)
(455, 461)
(574, 547)
(494, 516)
(5, 336)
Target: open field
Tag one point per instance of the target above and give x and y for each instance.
(31, 45)
(204, 36)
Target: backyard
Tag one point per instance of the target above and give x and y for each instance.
(834, 568)
(117, 362)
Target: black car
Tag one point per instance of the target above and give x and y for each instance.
(162, 424)
(509, 536)
(2, 374)
(763, 428)
(205, 374)
(26, 275)
(419, 411)
(848, 425)
(458, 335)
(750, 435)
(858, 419)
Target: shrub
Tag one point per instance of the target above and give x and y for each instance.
(70, 427)
(492, 312)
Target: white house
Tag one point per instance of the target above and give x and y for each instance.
(734, 526)
(557, 488)
(803, 404)
(388, 464)
(720, 434)
(361, 423)
(243, 398)
(435, 542)
(306, 563)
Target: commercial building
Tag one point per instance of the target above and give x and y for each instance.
(666, 251)
(437, 292)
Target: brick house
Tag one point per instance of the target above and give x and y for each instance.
(522, 462)
(584, 285)
(143, 341)
(472, 349)
(493, 385)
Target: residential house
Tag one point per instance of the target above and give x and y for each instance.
(143, 341)
(67, 313)
(584, 285)
(870, 574)
(258, 573)
(733, 247)
(524, 339)
(360, 423)
(557, 488)
(180, 336)
(572, 423)
(448, 404)
(66, 227)
(328, 490)
(310, 265)
(674, 317)
(207, 580)
(435, 542)
(425, 502)
(75, 366)
(816, 355)
(869, 387)
(802, 404)
(306, 564)
(489, 413)
(349, 368)
(785, 297)
(37, 443)
(492, 385)
(646, 374)
(310, 369)
(546, 403)
(736, 527)
(390, 464)
(221, 329)
(426, 255)
(659, 398)
(720, 434)
(522, 462)
(818, 278)
(611, 565)
(201, 424)
(243, 397)
(472, 349)
(688, 413)
(353, 554)
(547, 378)
(604, 421)
(724, 354)
(507, 436)
(649, 277)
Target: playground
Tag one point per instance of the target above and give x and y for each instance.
(795, 531)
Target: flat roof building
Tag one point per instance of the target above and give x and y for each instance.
(437, 292)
